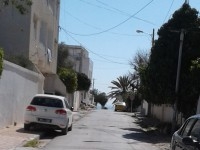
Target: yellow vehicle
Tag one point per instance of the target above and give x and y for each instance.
(120, 106)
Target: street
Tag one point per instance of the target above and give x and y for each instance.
(103, 130)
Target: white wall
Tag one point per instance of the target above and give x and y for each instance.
(74, 99)
(17, 87)
(162, 112)
(145, 107)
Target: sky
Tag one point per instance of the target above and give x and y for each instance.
(107, 30)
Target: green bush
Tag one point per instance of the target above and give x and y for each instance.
(21, 61)
(69, 78)
(1, 60)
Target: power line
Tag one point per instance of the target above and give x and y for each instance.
(90, 50)
(89, 3)
(115, 25)
(124, 13)
(81, 21)
(111, 62)
(122, 34)
(168, 10)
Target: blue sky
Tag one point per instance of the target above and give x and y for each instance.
(107, 29)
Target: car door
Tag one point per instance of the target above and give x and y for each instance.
(184, 131)
(195, 134)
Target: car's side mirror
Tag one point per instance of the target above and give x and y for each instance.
(72, 108)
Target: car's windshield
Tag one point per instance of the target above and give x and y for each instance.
(46, 101)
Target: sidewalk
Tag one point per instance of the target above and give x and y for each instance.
(14, 137)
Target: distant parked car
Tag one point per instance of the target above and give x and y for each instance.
(49, 111)
(188, 136)
(120, 106)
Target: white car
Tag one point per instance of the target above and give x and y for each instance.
(49, 111)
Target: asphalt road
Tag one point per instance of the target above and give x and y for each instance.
(103, 130)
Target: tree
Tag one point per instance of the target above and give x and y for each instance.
(84, 82)
(64, 69)
(162, 69)
(63, 54)
(140, 64)
(1, 61)
(69, 78)
(21, 5)
(122, 87)
(100, 97)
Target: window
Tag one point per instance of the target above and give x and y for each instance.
(195, 132)
(66, 103)
(49, 55)
(43, 33)
(35, 22)
(187, 127)
(48, 102)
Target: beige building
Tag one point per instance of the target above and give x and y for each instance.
(79, 57)
(80, 60)
(34, 35)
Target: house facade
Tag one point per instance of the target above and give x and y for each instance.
(34, 36)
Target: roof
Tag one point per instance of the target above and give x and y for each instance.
(195, 116)
(49, 95)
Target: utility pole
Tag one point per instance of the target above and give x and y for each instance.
(149, 103)
(93, 84)
(177, 79)
(93, 91)
(153, 37)
(152, 44)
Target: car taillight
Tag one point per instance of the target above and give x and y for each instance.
(61, 112)
(31, 108)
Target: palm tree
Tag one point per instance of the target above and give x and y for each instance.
(140, 64)
(121, 87)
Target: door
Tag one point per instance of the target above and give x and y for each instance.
(184, 131)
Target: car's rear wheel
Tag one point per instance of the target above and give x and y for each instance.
(70, 128)
(64, 131)
(27, 127)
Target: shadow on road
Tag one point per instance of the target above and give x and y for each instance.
(149, 130)
(44, 133)
(147, 137)
(31, 131)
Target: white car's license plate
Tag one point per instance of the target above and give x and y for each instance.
(44, 120)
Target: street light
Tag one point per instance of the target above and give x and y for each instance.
(139, 31)
(152, 35)
(152, 44)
